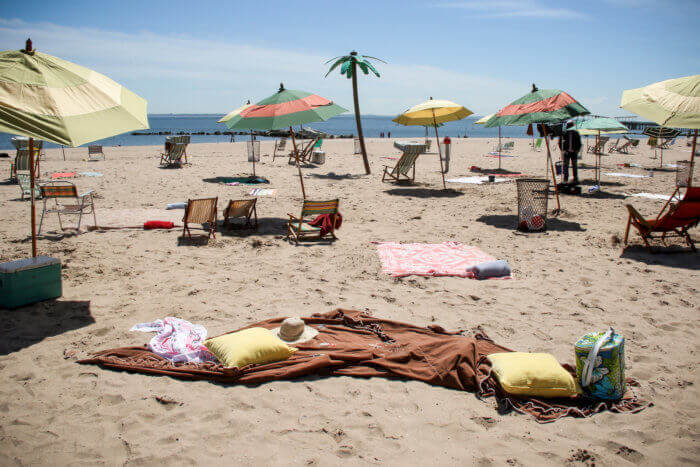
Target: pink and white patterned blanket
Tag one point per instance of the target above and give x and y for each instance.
(429, 259)
(177, 340)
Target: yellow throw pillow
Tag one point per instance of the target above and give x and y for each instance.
(253, 345)
(533, 374)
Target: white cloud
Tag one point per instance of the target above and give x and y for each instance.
(514, 9)
(180, 74)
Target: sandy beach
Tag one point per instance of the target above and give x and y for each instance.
(572, 279)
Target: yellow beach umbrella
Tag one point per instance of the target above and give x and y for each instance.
(432, 112)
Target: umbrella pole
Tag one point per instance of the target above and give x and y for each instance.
(499, 147)
(551, 163)
(692, 158)
(661, 147)
(252, 149)
(437, 138)
(31, 190)
(296, 156)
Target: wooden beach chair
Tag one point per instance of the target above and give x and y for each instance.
(244, 208)
(666, 143)
(304, 153)
(95, 152)
(536, 145)
(613, 146)
(172, 157)
(599, 148)
(679, 218)
(200, 211)
(406, 163)
(62, 193)
(299, 229)
(22, 163)
(279, 146)
(25, 185)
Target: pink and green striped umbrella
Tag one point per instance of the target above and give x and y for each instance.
(284, 109)
(538, 106)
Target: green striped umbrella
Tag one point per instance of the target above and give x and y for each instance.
(540, 106)
(44, 97)
(281, 110)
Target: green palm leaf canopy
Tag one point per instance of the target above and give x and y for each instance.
(538, 106)
(45, 97)
(283, 109)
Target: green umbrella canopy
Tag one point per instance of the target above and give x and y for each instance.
(45, 97)
(672, 103)
(538, 106)
(283, 109)
(601, 124)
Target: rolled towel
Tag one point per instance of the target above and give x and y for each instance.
(489, 269)
(150, 225)
(176, 206)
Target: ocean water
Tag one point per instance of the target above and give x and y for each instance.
(372, 126)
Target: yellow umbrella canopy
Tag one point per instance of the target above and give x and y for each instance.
(433, 111)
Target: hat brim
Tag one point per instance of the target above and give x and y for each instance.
(308, 334)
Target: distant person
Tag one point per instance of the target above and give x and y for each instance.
(388, 135)
(570, 145)
(381, 135)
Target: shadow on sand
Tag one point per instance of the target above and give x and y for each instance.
(510, 221)
(28, 325)
(424, 192)
(672, 256)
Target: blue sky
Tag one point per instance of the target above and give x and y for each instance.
(209, 57)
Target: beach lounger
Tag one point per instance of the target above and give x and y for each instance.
(406, 163)
(200, 211)
(621, 148)
(279, 146)
(599, 148)
(23, 179)
(304, 153)
(173, 155)
(679, 218)
(298, 227)
(62, 193)
(95, 152)
(241, 208)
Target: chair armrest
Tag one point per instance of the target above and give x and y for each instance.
(293, 217)
(83, 195)
(638, 217)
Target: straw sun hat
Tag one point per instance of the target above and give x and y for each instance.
(293, 331)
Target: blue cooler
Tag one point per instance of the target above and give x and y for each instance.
(30, 280)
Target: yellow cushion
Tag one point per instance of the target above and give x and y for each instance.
(533, 374)
(253, 345)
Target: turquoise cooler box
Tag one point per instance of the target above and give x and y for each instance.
(29, 280)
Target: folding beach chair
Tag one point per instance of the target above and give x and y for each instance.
(509, 146)
(304, 154)
(279, 146)
(62, 192)
(298, 227)
(23, 179)
(200, 211)
(172, 157)
(406, 162)
(95, 152)
(666, 143)
(600, 146)
(241, 208)
(428, 143)
(536, 145)
(679, 218)
(621, 149)
(22, 163)
(613, 146)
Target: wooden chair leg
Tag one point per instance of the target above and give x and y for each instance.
(627, 231)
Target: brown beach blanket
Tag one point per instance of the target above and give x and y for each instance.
(353, 343)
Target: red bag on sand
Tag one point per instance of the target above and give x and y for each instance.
(150, 225)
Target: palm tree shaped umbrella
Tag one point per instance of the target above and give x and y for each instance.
(45, 97)
(349, 68)
(434, 112)
(283, 109)
(540, 106)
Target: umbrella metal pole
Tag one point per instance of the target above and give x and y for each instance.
(551, 163)
(252, 149)
(661, 147)
(499, 147)
(296, 156)
(692, 158)
(31, 189)
(437, 138)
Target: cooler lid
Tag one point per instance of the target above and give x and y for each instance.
(27, 263)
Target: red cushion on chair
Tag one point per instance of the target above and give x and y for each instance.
(150, 225)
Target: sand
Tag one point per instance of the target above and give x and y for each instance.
(573, 279)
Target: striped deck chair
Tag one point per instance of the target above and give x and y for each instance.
(95, 152)
(298, 227)
(172, 157)
(680, 218)
(25, 185)
(60, 192)
(22, 163)
(279, 146)
(200, 211)
(241, 208)
(406, 163)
